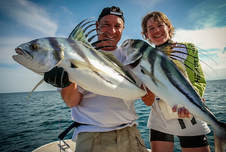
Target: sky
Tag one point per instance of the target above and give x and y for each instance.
(202, 22)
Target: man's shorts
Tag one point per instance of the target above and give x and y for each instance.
(124, 140)
(185, 141)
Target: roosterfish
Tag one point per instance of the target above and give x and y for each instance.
(160, 75)
(93, 70)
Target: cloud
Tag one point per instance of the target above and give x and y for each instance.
(29, 14)
(211, 42)
(207, 38)
(208, 14)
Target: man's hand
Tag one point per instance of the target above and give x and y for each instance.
(57, 77)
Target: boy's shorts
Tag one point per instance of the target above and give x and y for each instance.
(185, 141)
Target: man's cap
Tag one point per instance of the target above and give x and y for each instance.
(111, 11)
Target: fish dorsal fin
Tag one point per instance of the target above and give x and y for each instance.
(135, 49)
(78, 36)
(79, 32)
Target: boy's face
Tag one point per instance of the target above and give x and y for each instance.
(157, 31)
(109, 27)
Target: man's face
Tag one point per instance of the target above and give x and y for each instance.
(109, 27)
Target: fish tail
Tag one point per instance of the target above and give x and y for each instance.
(220, 138)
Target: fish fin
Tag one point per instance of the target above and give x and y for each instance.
(81, 65)
(38, 84)
(202, 52)
(79, 32)
(156, 81)
(186, 65)
(134, 50)
(186, 53)
(99, 41)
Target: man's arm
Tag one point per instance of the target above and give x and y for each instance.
(71, 95)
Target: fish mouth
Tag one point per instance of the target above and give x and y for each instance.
(19, 51)
(22, 52)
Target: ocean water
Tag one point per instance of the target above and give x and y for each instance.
(27, 123)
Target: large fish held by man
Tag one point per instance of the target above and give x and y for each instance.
(162, 77)
(91, 69)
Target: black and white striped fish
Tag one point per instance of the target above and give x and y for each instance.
(91, 69)
(162, 77)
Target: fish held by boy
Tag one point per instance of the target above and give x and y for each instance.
(164, 79)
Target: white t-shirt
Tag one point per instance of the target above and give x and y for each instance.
(158, 122)
(103, 113)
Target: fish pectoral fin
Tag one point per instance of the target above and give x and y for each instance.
(81, 66)
(156, 81)
(73, 65)
(77, 64)
(38, 84)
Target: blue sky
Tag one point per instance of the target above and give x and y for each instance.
(202, 22)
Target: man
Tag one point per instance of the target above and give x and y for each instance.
(107, 124)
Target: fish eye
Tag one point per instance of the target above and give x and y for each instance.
(34, 46)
